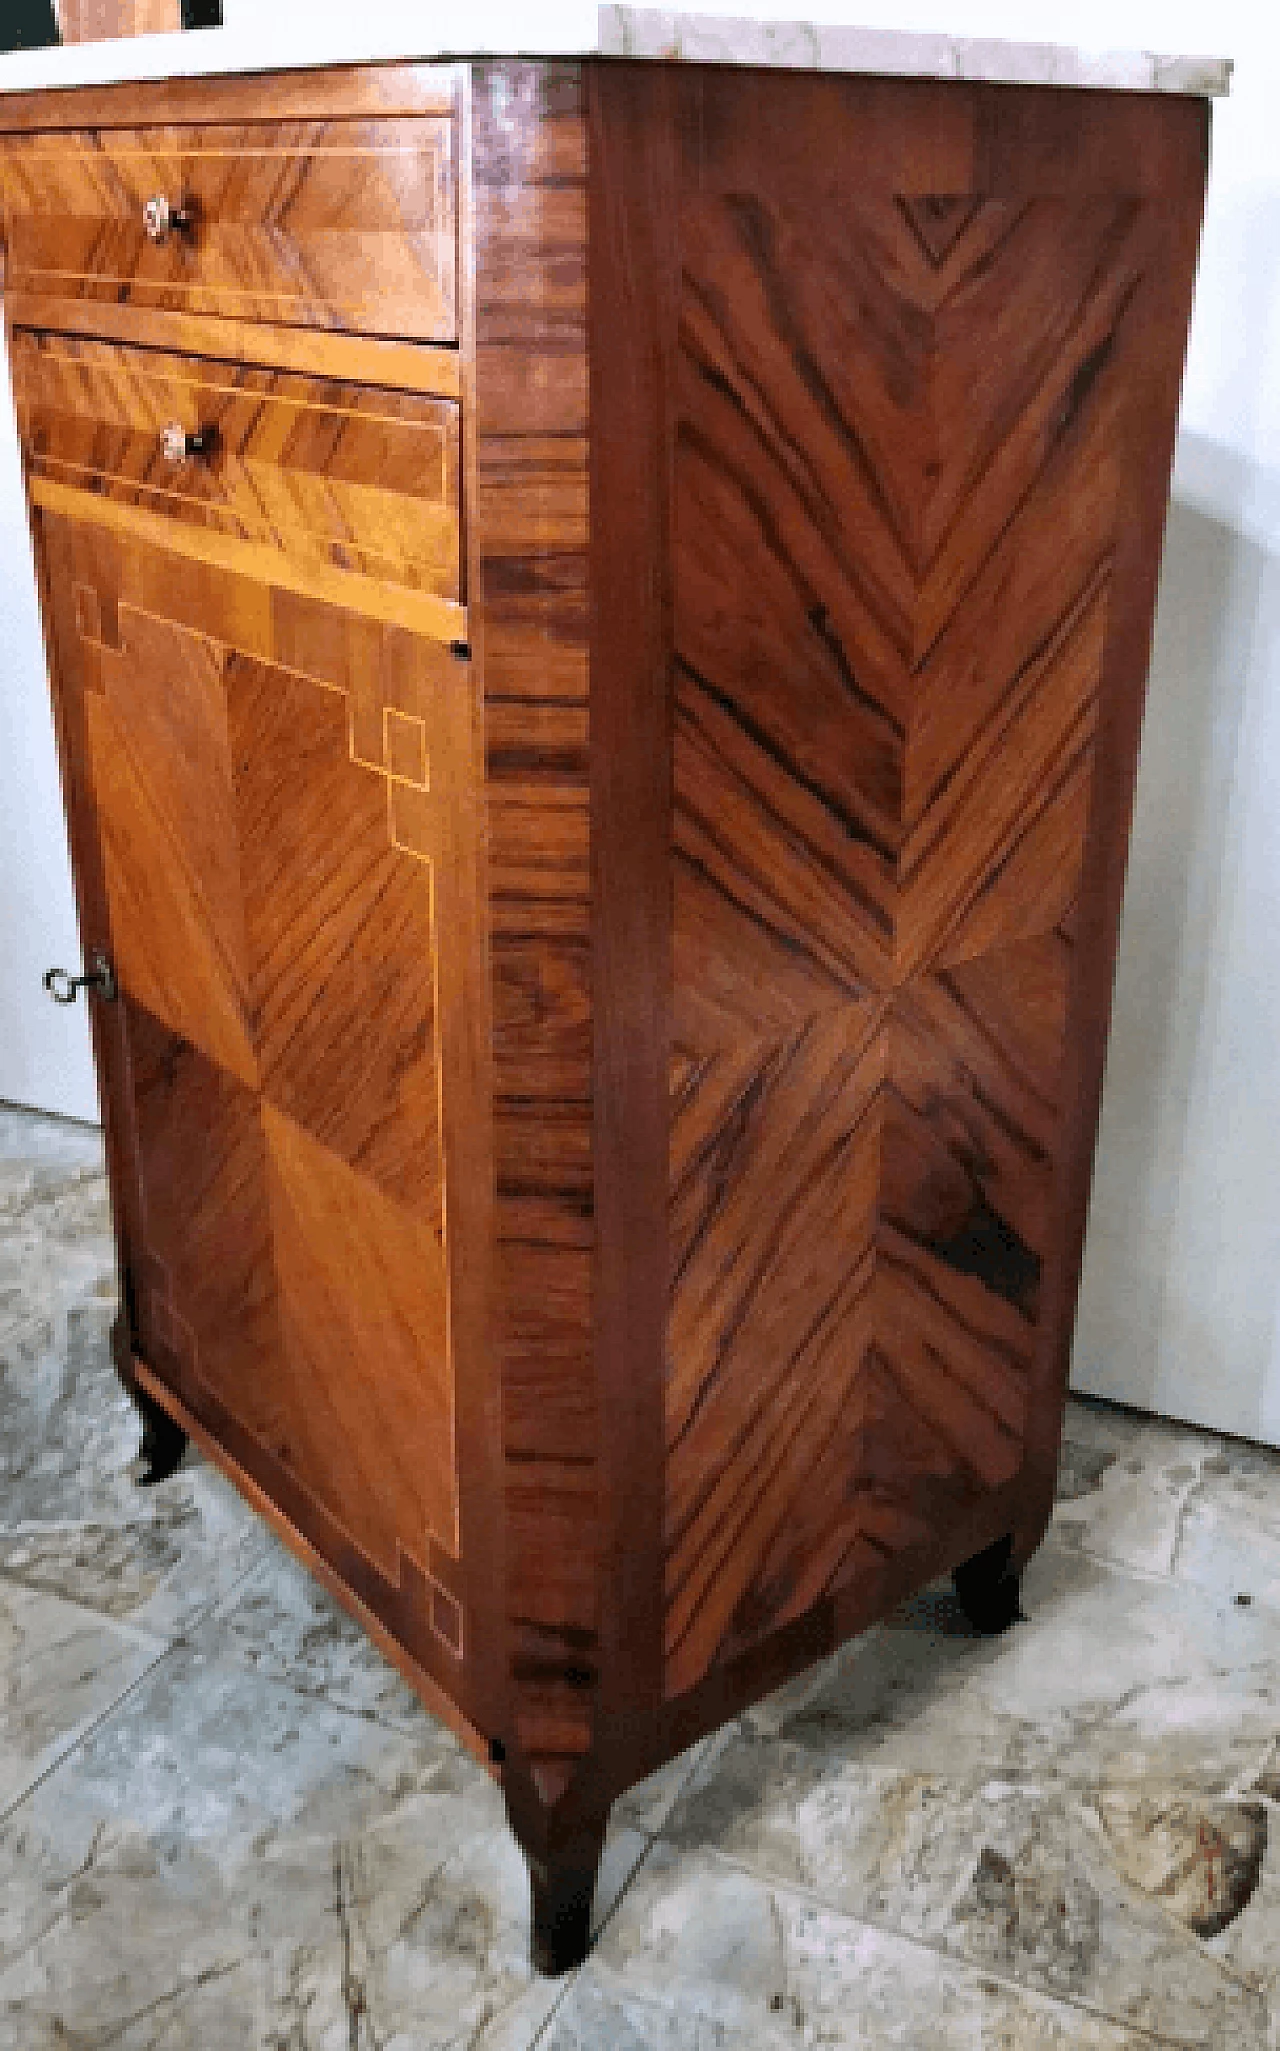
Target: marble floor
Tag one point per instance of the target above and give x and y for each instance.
(226, 1825)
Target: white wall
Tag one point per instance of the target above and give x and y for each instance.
(1181, 1301)
(44, 1049)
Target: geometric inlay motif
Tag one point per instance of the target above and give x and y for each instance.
(270, 850)
(896, 498)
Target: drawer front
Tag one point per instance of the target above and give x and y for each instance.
(335, 475)
(330, 224)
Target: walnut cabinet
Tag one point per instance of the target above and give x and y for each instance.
(598, 617)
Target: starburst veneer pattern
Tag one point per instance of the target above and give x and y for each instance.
(269, 849)
(896, 506)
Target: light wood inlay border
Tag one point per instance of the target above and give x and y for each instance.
(370, 89)
(433, 369)
(438, 619)
(429, 1692)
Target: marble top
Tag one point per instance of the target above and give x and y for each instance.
(819, 46)
(580, 28)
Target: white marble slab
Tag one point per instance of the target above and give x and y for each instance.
(579, 28)
(822, 46)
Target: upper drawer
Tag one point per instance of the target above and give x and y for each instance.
(330, 224)
(333, 475)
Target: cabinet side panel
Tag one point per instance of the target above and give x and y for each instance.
(529, 527)
(928, 356)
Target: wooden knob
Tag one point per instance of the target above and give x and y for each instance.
(161, 218)
(177, 446)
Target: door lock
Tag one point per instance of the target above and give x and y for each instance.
(64, 988)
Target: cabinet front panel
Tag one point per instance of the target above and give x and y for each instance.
(327, 224)
(335, 475)
(266, 789)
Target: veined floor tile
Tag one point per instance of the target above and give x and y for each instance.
(1166, 1498)
(37, 1139)
(72, 1520)
(283, 1623)
(1069, 1806)
(1109, 1677)
(56, 1250)
(705, 1957)
(251, 1869)
(1124, 1485)
(647, 1805)
(1091, 1900)
(61, 1667)
(1230, 1536)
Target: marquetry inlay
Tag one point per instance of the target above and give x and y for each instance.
(283, 1071)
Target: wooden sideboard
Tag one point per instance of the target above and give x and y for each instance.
(598, 616)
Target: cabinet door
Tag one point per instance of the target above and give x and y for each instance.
(274, 813)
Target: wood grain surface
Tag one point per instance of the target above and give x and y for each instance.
(612, 832)
(330, 224)
(433, 368)
(273, 789)
(903, 416)
(531, 541)
(331, 474)
(329, 93)
(633, 310)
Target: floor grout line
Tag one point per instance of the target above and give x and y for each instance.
(164, 1649)
(957, 1960)
(570, 1982)
(571, 1979)
(90, 1730)
(139, 1633)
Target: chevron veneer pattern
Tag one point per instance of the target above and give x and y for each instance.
(896, 503)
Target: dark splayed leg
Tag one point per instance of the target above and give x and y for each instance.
(989, 1589)
(561, 1928)
(163, 1441)
(559, 1811)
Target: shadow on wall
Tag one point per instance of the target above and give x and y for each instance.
(1178, 1308)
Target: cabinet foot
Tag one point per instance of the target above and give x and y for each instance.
(989, 1589)
(563, 1841)
(560, 1930)
(163, 1442)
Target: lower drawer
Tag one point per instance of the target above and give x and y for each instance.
(339, 475)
